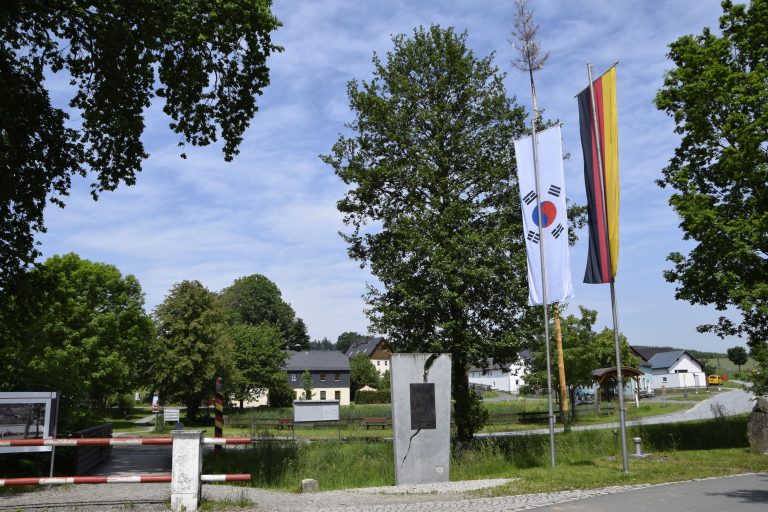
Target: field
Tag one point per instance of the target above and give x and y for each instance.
(585, 459)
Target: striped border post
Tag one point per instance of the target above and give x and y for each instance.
(117, 441)
(117, 479)
(219, 419)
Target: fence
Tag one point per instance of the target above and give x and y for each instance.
(186, 469)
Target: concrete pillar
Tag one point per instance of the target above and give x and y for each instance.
(187, 462)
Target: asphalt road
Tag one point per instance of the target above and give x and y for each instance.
(745, 493)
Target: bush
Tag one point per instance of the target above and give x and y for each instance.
(281, 395)
(373, 397)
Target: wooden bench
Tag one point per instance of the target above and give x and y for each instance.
(376, 422)
(284, 422)
(535, 417)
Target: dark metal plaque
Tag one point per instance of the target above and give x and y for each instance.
(423, 406)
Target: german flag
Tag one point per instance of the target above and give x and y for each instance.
(602, 202)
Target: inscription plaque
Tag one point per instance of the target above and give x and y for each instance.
(423, 406)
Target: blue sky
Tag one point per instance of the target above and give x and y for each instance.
(273, 210)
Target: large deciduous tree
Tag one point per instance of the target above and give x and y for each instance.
(738, 356)
(192, 347)
(258, 358)
(717, 94)
(77, 327)
(434, 209)
(206, 59)
(255, 299)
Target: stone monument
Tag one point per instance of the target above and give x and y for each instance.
(757, 428)
(421, 417)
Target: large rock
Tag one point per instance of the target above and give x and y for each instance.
(309, 485)
(757, 428)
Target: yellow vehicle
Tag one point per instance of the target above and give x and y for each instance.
(714, 380)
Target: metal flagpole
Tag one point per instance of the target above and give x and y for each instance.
(622, 409)
(543, 276)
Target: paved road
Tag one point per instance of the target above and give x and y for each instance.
(738, 494)
(732, 402)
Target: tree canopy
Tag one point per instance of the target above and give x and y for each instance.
(717, 94)
(255, 299)
(362, 373)
(430, 164)
(207, 60)
(77, 327)
(258, 358)
(192, 348)
(738, 356)
(584, 350)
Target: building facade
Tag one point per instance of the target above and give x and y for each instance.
(328, 369)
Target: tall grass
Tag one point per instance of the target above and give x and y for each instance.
(365, 463)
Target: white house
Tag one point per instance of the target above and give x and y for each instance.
(507, 378)
(676, 369)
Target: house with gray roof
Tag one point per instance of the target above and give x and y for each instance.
(506, 377)
(676, 369)
(329, 370)
(375, 349)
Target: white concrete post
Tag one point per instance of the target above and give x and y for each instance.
(187, 460)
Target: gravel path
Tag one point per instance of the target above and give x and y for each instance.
(154, 497)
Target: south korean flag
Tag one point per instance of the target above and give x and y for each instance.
(554, 223)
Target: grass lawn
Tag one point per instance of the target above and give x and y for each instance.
(660, 467)
(585, 459)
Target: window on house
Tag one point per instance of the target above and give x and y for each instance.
(663, 379)
(322, 377)
(385, 362)
(378, 363)
(337, 395)
(293, 377)
(322, 395)
(337, 377)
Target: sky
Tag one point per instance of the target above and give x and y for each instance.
(272, 211)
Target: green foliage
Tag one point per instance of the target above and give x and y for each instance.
(255, 299)
(207, 60)
(738, 356)
(584, 350)
(362, 373)
(77, 327)
(281, 394)
(431, 161)
(373, 397)
(258, 358)
(759, 374)
(192, 348)
(324, 344)
(717, 94)
(385, 382)
(306, 385)
(347, 339)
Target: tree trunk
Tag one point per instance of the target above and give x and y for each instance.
(193, 406)
(462, 403)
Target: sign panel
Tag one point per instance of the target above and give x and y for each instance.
(315, 410)
(423, 406)
(170, 414)
(27, 415)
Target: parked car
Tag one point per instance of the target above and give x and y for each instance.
(714, 380)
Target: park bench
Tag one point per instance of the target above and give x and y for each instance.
(534, 417)
(284, 422)
(376, 422)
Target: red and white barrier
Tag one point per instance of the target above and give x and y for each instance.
(126, 479)
(68, 480)
(118, 441)
(187, 463)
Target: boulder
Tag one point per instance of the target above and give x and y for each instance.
(757, 428)
(309, 485)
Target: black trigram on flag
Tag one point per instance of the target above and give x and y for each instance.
(557, 231)
(554, 190)
(533, 236)
(529, 197)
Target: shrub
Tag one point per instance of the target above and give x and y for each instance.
(373, 397)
